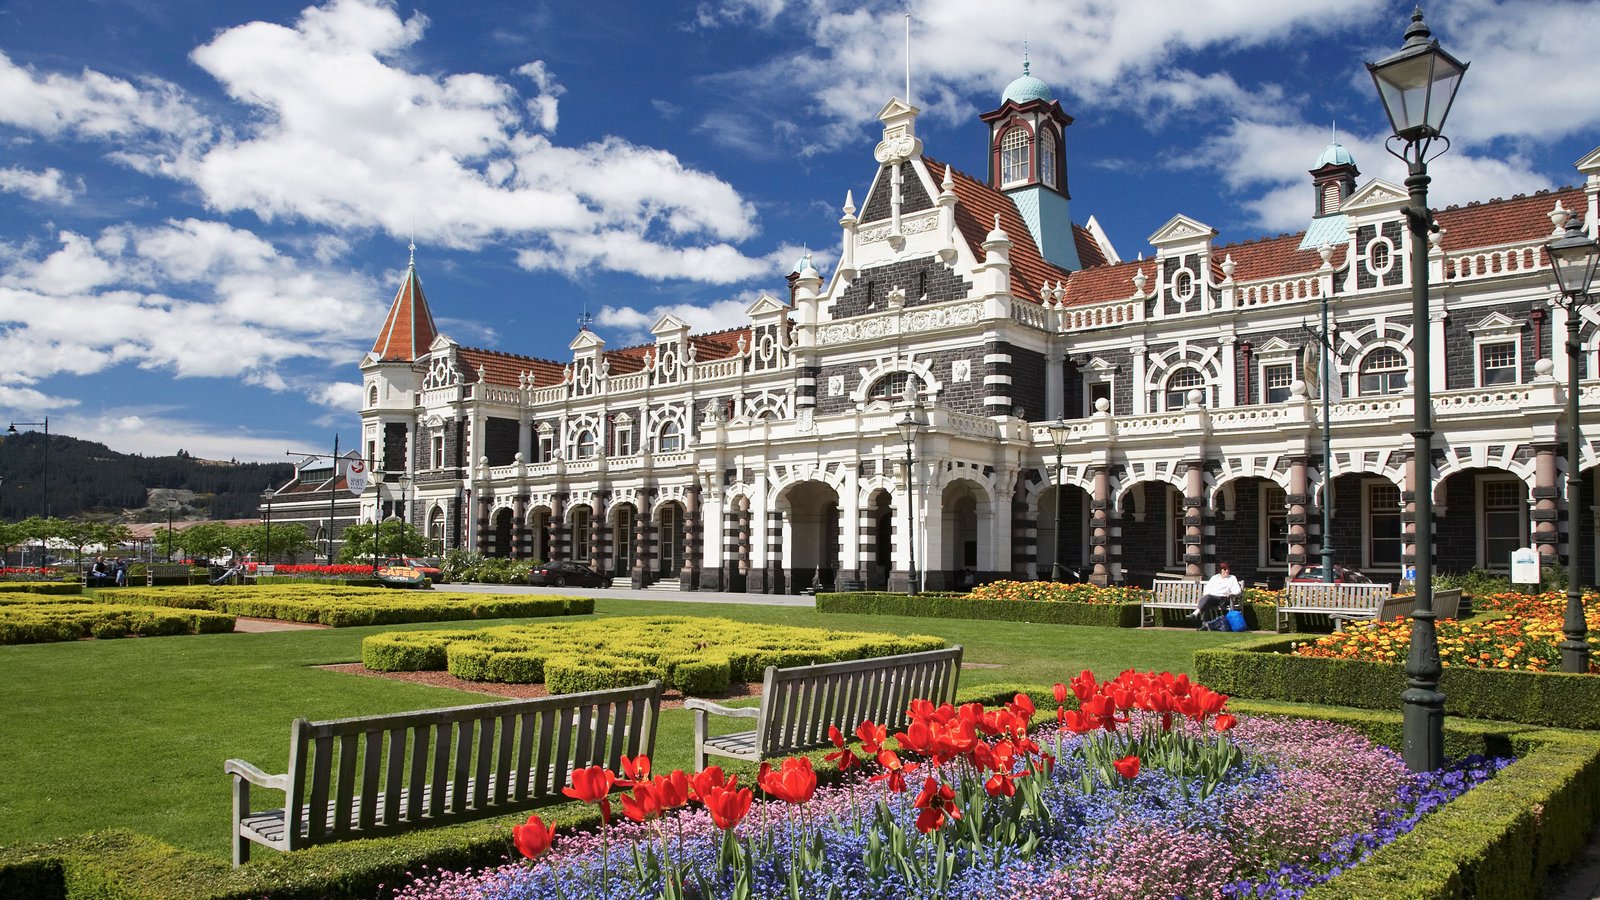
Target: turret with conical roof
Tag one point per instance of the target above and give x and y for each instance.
(1028, 161)
(408, 330)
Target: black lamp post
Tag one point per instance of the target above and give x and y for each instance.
(1417, 86)
(1058, 438)
(266, 552)
(909, 425)
(171, 506)
(45, 475)
(1574, 257)
(1325, 387)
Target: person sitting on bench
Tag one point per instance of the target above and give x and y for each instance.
(1218, 593)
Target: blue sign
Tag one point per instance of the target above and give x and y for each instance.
(1411, 573)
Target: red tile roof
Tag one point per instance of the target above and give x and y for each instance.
(1089, 253)
(976, 206)
(408, 330)
(1103, 284)
(1494, 222)
(506, 368)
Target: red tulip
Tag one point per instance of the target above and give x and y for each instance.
(872, 736)
(643, 804)
(533, 839)
(1127, 767)
(894, 771)
(727, 807)
(936, 802)
(1060, 692)
(591, 785)
(1022, 707)
(1000, 785)
(794, 782)
(1084, 685)
(672, 789)
(1224, 722)
(636, 768)
(709, 779)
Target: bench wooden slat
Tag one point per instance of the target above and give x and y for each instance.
(355, 789)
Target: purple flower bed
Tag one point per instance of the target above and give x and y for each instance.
(1325, 798)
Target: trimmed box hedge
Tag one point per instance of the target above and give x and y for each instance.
(47, 620)
(1499, 840)
(1263, 668)
(348, 607)
(1042, 612)
(55, 588)
(691, 654)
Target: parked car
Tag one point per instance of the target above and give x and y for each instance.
(1341, 575)
(426, 565)
(561, 574)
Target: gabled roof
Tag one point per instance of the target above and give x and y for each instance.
(408, 329)
(506, 368)
(976, 206)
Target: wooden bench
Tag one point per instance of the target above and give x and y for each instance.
(1446, 605)
(798, 704)
(1170, 593)
(1339, 602)
(373, 775)
(169, 573)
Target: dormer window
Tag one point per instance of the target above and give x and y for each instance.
(1014, 156)
(1047, 158)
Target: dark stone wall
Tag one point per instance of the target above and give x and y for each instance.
(1365, 277)
(869, 293)
(1028, 368)
(1238, 542)
(912, 197)
(1349, 523)
(500, 441)
(1461, 353)
(394, 447)
(1144, 544)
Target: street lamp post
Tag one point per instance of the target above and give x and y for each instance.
(1574, 257)
(1417, 84)
(1325, 387)
(1058, 438)
(266, 552)
(45, 476)
(909, 425)
(171, 506)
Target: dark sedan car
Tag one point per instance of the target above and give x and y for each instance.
(561, 574)
(1341, 575)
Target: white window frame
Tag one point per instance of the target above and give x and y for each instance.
(1267, 511)
(1370, 507)
(1048, 147)
(1404, 370)
(1177, 532)
(437, 451)
(1496, 328)
(1166, 387)
(1016, 145)
(582, 524)
(1096, 374)
(1266, 381)
(1376, 268)
(583, 445)
(674, 436)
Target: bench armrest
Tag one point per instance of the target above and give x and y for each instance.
(238, 768)
(737, 712)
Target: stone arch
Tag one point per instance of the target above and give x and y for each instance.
(932, 387)
(1480, 456)
(1206, 360)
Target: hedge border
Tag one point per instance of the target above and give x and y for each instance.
(1039, 612)
(1500, 840)
(1262, 668)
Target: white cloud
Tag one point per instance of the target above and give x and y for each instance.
(543, 105)
(1531, 76)
(93, 105)
(154, 433)
(45, 187)
(191, 297)
(632, 325)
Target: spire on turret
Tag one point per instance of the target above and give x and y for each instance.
(408, 330)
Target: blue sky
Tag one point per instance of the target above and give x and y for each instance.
(205, 207)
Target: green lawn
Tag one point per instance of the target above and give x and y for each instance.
(133, 733)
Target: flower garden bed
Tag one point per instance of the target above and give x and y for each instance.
(37, 619)
(345, 607)
(694, 655)
(1269, 668)
(1043, 602)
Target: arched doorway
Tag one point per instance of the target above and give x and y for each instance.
(1481, 516)
(811, 539)
(624, 522)
(502, 534)
(1074, 537)
(435, 533)
(669, 546)
(959, 555)
(539, 529)
(880, 512)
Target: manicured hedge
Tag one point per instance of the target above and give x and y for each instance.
(58, 588)
(48, 620)
(1043, 612)
(1263, 668)
(694, 655)
(345, 607)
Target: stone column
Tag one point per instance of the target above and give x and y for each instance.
(556, 527)
(1544, 516)
(1298, 501)
(776, 584)
(485, 535)
(1025, 534)
(1194, 520)
(693, 528)
(521, 535)
(1408, 517)
(1100, 528)
(639, 576)
(739, 575)
(599, 535)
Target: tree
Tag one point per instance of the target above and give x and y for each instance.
(12, 534)
(395, 538)
(205, 539)
(288, 540)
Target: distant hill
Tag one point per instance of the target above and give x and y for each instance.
(91, 480)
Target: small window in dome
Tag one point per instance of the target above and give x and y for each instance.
(1047, 157)
(1014, 156)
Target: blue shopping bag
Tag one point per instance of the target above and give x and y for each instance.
(1236, 621)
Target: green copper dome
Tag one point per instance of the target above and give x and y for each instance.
(1335, 155)
(1026, 88)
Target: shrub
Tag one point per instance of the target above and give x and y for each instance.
(1049, 612)
(344, 606)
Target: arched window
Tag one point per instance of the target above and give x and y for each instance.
(892, 387)
(669, 439)
(585, 444)
(372, 396)
(1180, 383)
(1014, 156)
(1047, 157)
(1383, 372)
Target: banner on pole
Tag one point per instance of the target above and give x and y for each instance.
(356, 475)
